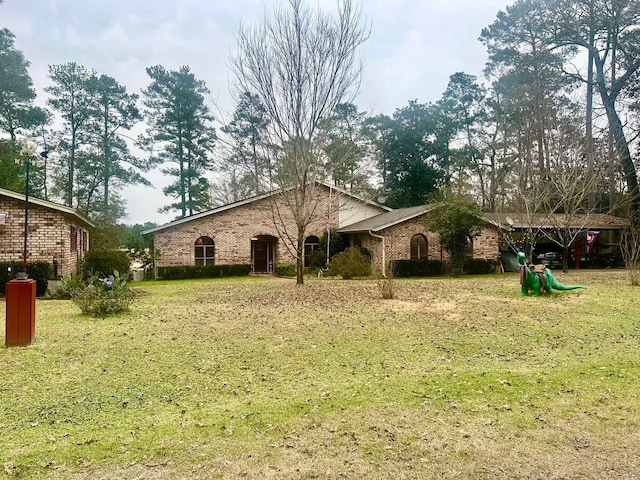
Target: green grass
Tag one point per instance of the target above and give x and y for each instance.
(260, 378)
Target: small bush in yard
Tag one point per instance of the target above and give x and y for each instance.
(286, 269)
(349, 264)
(68, 287)
(100, 297)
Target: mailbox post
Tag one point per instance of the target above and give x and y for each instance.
(21, 312)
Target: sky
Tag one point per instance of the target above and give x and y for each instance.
(414, 46)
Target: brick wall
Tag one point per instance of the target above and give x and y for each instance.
(49, 235)
(397, 241)
(232, 230)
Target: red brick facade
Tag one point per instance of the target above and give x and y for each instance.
(235, 229)
(397, 241)
(52, 233)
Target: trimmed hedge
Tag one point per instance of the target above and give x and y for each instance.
(479, 266)
(417, 268)
(104, 262)
(185, 272)
(433, 268)
(41, 272)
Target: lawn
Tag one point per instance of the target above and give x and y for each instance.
(260, 378)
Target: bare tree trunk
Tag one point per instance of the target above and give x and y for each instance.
(300, 66)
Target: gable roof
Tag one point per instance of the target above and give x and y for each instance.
(386, 220)
(247, 201)
(46, 204)
(595, 221)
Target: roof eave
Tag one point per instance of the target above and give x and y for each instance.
(46, 204)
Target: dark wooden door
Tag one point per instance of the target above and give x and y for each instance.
(262, 256)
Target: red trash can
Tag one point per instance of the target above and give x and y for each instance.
(21, 312)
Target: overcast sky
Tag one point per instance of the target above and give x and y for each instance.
(415, 45)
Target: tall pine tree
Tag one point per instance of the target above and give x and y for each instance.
(180, 124)
(17, 112)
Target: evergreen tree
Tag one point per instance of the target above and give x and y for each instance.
(17, 112)
(530, 71)
(114, 111)
(415, 146)
(344, 144)
(180, 121)
(248, 161)
(73, 98)
(456, 219)
(12, 173)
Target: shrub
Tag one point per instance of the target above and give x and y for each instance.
(100, 297)
(337, 244)
(68, 286)
(185, 272)
(286, 269)
(479, 266)
(417, 268)
(39, 271)
(349, 264)
(103, 262)
(317, 259)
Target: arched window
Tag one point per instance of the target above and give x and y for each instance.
(468, 249)
(311, 244)
(419, 247)
(204, 251)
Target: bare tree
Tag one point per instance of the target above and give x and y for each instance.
(564, 203)
(300, 64)
(630, 248)
(560, 205)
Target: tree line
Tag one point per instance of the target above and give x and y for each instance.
(557, 108)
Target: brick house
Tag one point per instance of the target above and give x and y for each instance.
(400, 234)
(245, 232)
(54, 232)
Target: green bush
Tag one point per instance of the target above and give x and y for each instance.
(41, 272)
(68, 286)
(479, 266)
(286, 269)
(202, 271)
(349, 264)
(100, 297)
(337, 244)
(103, 262)
(317, 259)
(417, 268)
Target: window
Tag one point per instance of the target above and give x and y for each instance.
(419, 247)
(204, 251)
(311, 244)
(85, 240)
(468, 249)
(73, 239)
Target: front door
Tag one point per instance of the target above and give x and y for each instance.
(262, 253)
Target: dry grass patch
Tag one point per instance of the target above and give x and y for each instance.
(260, 378)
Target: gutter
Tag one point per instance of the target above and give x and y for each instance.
(384, 255)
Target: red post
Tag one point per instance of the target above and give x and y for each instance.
(21, 312)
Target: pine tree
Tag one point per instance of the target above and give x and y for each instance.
(181, 124)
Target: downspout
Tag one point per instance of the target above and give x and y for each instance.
(384, 255)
